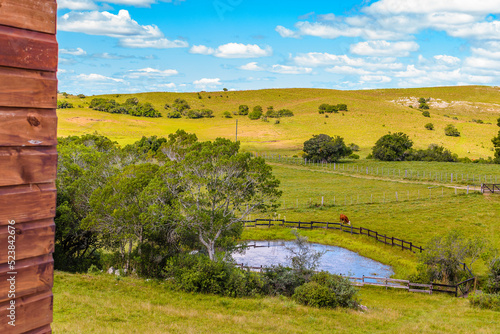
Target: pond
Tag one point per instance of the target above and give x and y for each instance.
(336, 260)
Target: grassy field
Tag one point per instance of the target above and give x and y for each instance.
(372, 114)
(104, 304)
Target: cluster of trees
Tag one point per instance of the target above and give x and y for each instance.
(324, 148)
(258, 113)
(63, 104)
(132, 106)
(398, 147)
(155, 199)
(180, 108)
(423, 104)
(331, 108)
(496, 145)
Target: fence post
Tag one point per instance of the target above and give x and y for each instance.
(299, 224)
(392, 242)
(411, 245)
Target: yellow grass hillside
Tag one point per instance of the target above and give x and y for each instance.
(371, 114)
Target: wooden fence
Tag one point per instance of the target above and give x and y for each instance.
(490, 188)
(383, 238)
(28, 163)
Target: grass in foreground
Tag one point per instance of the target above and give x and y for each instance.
(103, 304)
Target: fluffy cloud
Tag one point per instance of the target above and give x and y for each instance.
(326, 59)
(207, 83)
(150, 73)
(73, 52)
(121, 26)
(488, 50)
(281, 69)
(76, 4)
(233, 50)
(251, 67)
(388, 7)
(96, 78)
(384, 48)
(286, 33)
(375, 78)
(447, 60)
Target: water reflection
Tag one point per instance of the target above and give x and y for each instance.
(337, 260)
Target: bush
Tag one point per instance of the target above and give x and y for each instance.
(392, 147)
(174, 114)
(325, 148)
(227, 114)
(426, 113)
(243, 110)
(353, 156)
(255, 114)
(485, 301)
(64, 104)
(131, 107)
(493, 282)
(327, 290)
(280, 280)
(451, 130)
(429, 126)
(81, 96)
(433, 153)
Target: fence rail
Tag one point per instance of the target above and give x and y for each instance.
(394, 173)
(490, 188)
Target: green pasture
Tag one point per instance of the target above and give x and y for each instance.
(372, 114)
(105, 304)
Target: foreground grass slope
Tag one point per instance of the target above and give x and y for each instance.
(371, 114)
(104, 304)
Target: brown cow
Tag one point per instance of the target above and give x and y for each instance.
(344, 219)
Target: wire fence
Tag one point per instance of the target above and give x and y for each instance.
(447, 177)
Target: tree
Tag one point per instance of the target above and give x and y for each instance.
(255, 113)
(243, 109)
(496, 144)
(325, 148)
(451, 130)
(218, 187)
(226, 114)
(426, 113)
(429, 126)
(392, 147)
(302, 256)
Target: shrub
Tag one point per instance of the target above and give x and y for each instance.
(392, 147)
(353, 147)
(422, 100)
(353, 156)
(325, 148)
(255, 114)
(64, 104)
(451, 130)
(174, 114)
(426, 113)
(227, 114)
(485, 301)
(493, 282)
(280, 280)
(81, 96)
(327, 290)
(285, 113)
(429, 126)
(243, 109)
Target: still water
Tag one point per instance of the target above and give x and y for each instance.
(336, 260)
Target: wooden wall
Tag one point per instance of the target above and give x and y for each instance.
(28, 158)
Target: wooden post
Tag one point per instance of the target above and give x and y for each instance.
(28, 162)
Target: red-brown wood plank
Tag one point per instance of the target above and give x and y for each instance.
(33, 275)
(27, 49)
(27, 88)
(27, 203)
(32, 239)
(25, 165)
(28, 127)
(36, 15)
(32, 312)
(42, 330)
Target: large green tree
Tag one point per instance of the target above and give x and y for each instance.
(325, 148)
(496, 144)
(392, 147)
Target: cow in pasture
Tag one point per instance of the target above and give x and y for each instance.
(344, 219)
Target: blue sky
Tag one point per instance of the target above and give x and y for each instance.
(128, 46)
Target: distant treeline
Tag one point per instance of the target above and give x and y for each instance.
(131, 106)
(331, 108)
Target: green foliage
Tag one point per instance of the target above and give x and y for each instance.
(303, 257)
(174, 114)
(426, 113)
(353, 147)
(197, 273)
(255, 113)
(422, 100)
(199, 113)
(281, 280)
(392, 147)
(433, 153)
(353, 156)
(327, 290)
(227, 114)
(493, 282)
(325, 148)
(330, 108)
(81, 96)
(64, 104)
(451, 130)
(429, 126)
(485, 301)
(243, 109)
(496, 144)
(131, 107)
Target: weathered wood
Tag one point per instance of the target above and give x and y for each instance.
(27, 203)
(42, 330)
(32, 312)
(27, 165)
(33, 275)
(32, 239)
(27, 49)
(36, 15)
(28, 127)
(422, 291)
(27, 88)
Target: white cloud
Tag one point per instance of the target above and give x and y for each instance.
(484, 63)
(122, 26)
(286, 33)
(347, 70)
(202, 50)
(375, 78)
(251, 67)
(480, 30)
(411, 72)
(73, 52)
(76, 4)
(391, 7)
(314, 59)
(233, 50)
(488, 50)
(284, 69)
(150, 73)
(167, 85)
(207, 83)
(384, 48)
(96, 78)
(447, 60)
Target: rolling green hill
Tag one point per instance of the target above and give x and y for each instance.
(372, 113)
